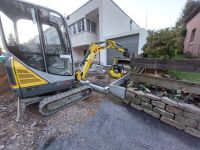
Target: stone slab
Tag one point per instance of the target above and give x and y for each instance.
(186, 121)
(126, 101)
(172, 122)
(144, 98)
(158, 104)
(189, 108)
(191, 115)
(192, 132)
(153, 97)
(163, 112)
(131, 98)
(146, 105)
(174, 110)
(137, 107)
(153, 114)
(168, 101)
(198, 127)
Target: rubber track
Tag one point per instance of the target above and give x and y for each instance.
(66, 95)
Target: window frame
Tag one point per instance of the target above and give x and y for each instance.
(192, 36)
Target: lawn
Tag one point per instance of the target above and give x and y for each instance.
(187, 76)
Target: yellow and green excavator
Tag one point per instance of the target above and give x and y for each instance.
(40, 67)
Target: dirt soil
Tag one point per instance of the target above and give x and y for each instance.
(34, 130)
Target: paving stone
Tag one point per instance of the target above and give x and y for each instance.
(172, 122)
(163, 112)
(146, 105)
(153, 97)
(174, 110)
(191, 115)
(193, 132)
(144, 99)
(153, 114)
(158, 104)
(186, 121)
(137, 107)
(189, 108)
(168, 101)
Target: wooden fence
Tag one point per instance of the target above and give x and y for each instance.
(166, 64)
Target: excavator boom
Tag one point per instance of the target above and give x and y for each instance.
(93, 50)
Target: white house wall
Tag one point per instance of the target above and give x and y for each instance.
(114, 21)
(83, 11)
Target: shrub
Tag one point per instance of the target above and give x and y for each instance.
(164, 43)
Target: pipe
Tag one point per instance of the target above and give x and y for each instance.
(96, 87)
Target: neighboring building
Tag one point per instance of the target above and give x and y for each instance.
(99, 20)
(192, 39)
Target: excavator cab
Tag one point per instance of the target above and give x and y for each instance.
(37, 41)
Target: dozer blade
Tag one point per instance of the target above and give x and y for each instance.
(60, 101)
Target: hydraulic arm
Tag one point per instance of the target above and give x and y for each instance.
(93, 50)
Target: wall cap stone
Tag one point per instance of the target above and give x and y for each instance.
(189, 108)
(168, 101)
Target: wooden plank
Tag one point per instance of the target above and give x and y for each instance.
(166, 64)
(186, 87)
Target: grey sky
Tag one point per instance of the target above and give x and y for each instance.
(161, 13)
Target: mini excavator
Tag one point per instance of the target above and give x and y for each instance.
(41, 67)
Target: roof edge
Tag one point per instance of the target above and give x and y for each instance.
(80, 7)
(112, 2)
(195, 12)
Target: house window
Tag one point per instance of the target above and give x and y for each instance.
(80, 25)
(93, 27)
(192, 36)
(74, 29)
(88, 25)
(83, 26)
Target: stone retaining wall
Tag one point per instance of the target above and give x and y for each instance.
(180, 115)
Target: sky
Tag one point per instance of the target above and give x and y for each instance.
(161, 13)
(149, 14)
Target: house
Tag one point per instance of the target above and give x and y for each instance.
(100, 20)
(192, 39)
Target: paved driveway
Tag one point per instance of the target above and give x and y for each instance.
(119, 127)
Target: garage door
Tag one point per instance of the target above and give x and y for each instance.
(131, 42)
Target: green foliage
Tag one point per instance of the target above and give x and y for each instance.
(163, 43)
(187, 76)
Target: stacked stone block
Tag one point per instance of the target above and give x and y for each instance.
(180, 115)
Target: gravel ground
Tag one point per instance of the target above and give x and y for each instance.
(119, 127)
(34, 130)
(99, 122)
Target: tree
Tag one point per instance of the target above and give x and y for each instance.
(162, 43)
(190, 7)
